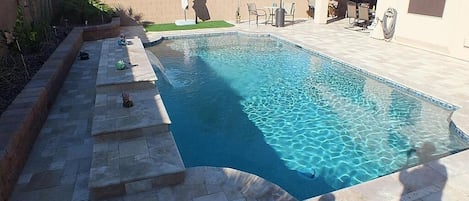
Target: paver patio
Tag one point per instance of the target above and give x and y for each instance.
(59, 165)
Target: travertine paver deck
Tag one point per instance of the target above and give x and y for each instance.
(125, 166)
(133, 149)
(138, 80)
(148, 110)
(59, 164)
(443, 179)
(62, 152)
(215, 184)
(140, 69)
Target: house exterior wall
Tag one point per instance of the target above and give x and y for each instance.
(167, 11)
(447, 35)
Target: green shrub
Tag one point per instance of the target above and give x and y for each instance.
(79, 11)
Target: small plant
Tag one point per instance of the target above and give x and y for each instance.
(81, 11)
(128, 14)
(4, 42)
(126, 102)
(23, 50)
(120, 65)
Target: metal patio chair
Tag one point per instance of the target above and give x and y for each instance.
(290, 12)
(352, 12)
(257, 12)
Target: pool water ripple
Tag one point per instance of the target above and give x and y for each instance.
(316, 115)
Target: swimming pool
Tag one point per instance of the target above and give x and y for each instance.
(267, 107)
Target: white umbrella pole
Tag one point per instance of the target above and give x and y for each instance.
(185, 5)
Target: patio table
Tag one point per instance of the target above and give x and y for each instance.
(271, 13)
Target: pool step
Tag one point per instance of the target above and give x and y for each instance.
(111, 118)
(138, 80)
(133, 150)
(139, 69)
(125, 166)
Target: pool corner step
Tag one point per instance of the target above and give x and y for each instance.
(148, 110)
(124, 166)
(133, 150)
(138, 67)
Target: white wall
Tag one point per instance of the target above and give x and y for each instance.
(446, 34)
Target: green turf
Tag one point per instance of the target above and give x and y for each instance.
(199, 25)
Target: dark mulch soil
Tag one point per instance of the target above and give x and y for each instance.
(14, 75)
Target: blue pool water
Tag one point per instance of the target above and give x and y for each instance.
(269, 108)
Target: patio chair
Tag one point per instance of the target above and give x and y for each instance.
(271, 14)
(363, 15)
(332, 8)
(257, 12)
(290, 12)
(352, 12)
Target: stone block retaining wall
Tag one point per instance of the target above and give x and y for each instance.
(22, 121)
(98, 32)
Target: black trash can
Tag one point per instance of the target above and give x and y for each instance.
(280, 17)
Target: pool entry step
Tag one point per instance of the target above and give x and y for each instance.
(133, 150)
(129, 165)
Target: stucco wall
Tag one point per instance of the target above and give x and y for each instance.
(167, 11)
(447, 34)
(7, 14)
